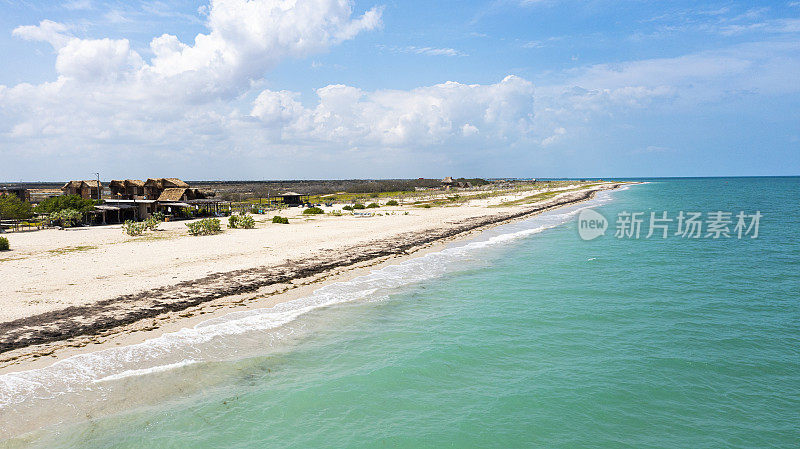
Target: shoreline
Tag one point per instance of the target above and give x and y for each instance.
(43, 339)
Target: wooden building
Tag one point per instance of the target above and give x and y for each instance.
(85, 189)
(19, 192)
(292, 198)
(153, 187)
(127, 189)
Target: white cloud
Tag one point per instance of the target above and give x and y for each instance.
(557, 134)
(47, 31)
(245, 39)
(427, 51)
(438, 115)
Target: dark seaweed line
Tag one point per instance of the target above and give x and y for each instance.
(107, 314)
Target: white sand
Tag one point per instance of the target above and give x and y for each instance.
(52, 269)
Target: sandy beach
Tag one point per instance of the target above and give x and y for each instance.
(68, 291)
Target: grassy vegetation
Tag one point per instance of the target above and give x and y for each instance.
(4, 246)
(71, 249)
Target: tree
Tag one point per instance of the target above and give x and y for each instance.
(14, 208)
(59, 203)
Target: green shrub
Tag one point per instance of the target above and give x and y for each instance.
(336, 213)
(426, 206)
(151, 223)
(247, 222)
(206, 226)
(348, 207)
(391, 203)
(63, 202)
(359, 206)
(4, 246)
(67, 217)
(313, 211)
(241, 222)
(15, 208)
(157, 216)
(372, 206)
(133, 228)
(280, 220)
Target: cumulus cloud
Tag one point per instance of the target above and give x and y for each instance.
(246, 38)
(425, 116)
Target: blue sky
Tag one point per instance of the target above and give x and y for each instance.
(237, 89)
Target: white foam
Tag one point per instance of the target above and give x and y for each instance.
(192, 345)
(144, 371)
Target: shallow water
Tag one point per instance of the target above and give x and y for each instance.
(526, 336)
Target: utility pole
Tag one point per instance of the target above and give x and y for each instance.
(98, 185)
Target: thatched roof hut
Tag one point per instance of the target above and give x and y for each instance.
(84, 189)
(174, 194)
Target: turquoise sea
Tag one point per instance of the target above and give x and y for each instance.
(526, 336)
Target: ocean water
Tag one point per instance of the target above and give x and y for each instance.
(526, 336)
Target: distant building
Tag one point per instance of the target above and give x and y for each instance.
(153, 187)
(449, 183)
(85, 189)
(19, 192)
(127, 189)
(291, 198)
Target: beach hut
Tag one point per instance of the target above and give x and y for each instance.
(175, 194)
(291, 198)
(85, 189)
(153, 187)
(127, 189)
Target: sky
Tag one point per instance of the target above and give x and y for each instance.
(316, 89)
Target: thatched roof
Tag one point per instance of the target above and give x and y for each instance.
(134, 182)
(290, 194)
(448, 180)
(72, 185)
(176, 182)
(172, 194)
(162, 183)
(79, 184)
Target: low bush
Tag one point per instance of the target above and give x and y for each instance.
(280, 220)
(133, 228)
(392, 203)
(348, 207)
(313, 211)
(372, 206)
(247, 222)
(4, 246)
(241, 222)
(157, 216)
(336, 213)
(67, 217)
(151, 223)
(359, 206)
(206, 226)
